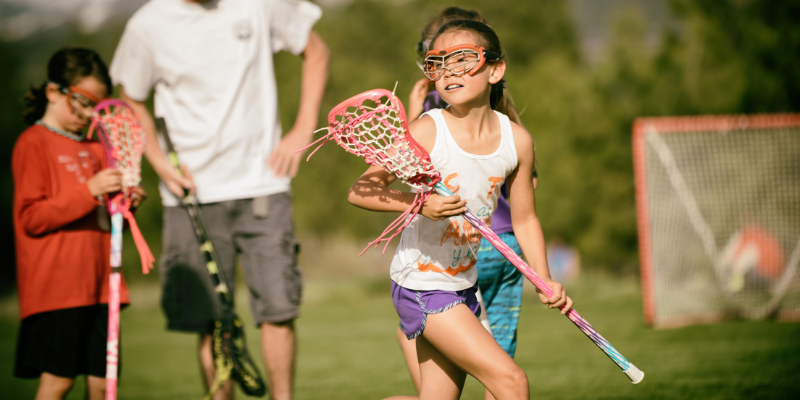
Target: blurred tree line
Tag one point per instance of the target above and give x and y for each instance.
(726, 56)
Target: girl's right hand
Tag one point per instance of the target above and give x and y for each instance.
(108, 180)
(439, 207)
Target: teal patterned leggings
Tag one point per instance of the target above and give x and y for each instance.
(501, 286)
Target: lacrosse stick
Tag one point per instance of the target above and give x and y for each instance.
(231, 357)
(123, 140)
(373, 125)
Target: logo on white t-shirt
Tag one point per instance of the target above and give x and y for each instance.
(242, 30)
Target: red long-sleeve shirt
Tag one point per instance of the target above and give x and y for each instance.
(62, 253)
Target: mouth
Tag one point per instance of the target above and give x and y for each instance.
(453, 86)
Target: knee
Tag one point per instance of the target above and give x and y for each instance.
(62, 386)
(517, 378)
(53, 386)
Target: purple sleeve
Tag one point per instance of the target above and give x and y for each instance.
(432, 100)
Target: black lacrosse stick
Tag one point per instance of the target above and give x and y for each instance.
(231, 358)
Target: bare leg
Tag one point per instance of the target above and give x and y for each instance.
(465, 343)
(441, 379)
(95, 387)
(409, 348)
(208, 370)
(278, 345)
(53, 387)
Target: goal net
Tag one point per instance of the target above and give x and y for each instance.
(718, 204)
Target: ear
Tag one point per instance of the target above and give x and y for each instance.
(52, 92)
(498, 70)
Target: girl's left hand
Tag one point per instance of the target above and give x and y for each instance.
(558, 298)
(137, 197)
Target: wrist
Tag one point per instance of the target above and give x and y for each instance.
(164, 170)
(92, 190)
(304, 129)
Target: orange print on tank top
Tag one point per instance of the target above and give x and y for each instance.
(453, 232)
(460, 236)
(495, 180)
(471, 235)
(452, 188)
(449, 271)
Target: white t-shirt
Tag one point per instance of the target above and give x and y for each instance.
(441, 255)
(212, 69)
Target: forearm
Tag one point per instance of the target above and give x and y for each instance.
(531, 240)
(44, 215)
(37, 209)
(312, 84)
(374, 196)
(152, 150)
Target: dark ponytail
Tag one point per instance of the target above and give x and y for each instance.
(34, 104)
(496, 94)
(65, 68)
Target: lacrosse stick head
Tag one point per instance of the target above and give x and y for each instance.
(123, 140)
(373, 125)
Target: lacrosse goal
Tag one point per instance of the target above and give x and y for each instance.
(718, 204)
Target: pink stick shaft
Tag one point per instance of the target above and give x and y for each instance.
(112, 346)
(114, 282)
(537, 281)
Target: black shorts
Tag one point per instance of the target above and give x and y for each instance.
(65, 343)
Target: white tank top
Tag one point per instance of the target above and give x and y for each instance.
(441, 255)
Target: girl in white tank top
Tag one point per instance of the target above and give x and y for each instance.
(442, 254)
(433, 272)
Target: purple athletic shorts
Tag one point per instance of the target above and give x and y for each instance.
(413, 306)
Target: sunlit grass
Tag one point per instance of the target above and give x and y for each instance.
(347, 349)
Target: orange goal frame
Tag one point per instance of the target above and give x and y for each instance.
(677, 125)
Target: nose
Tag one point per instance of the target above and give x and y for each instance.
(446, 72)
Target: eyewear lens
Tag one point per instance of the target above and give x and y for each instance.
(81, 104)
(458, 63)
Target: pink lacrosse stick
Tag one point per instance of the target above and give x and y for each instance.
(123, 140)
(373, 125)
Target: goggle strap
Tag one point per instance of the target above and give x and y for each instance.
(492, 55)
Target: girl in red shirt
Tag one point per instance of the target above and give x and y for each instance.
(61, 229)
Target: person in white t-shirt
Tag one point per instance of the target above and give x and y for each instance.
(210, 63)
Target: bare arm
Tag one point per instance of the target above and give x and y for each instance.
(284, 161)
(527, 227)
(371, 190)
(416, 100)
(174, 181)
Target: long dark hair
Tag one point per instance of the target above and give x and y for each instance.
(485, 37)
(446, 15)
(65, 68)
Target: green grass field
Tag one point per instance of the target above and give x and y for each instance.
(347, 350)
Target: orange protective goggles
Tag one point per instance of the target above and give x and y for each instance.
(459, 60)
(81, 102)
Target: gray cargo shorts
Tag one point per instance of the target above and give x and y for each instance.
(267, 251)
